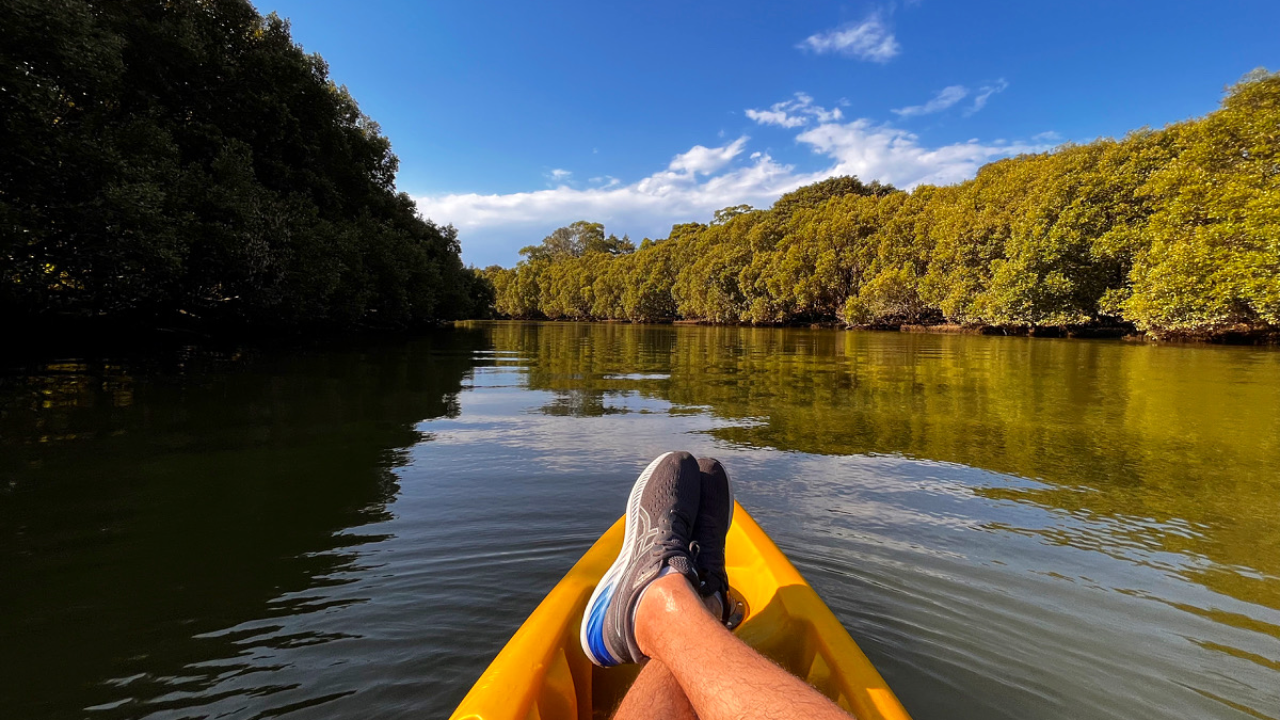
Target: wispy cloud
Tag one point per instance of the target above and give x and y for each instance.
(1047, 136)
(984, 93)
(945, 98)
(558, 176)
(703, 179)
(870, 40)
(949, 96)
(493, 226)
(883, 152)
(704, 160)
(794, 113)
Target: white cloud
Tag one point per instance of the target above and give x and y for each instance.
(1047, 136)
(870, 39)
(889, 154)
(694, 185)
(776, 117)
(704, 179)
(794, 113)
(705, 160)
(945, 98)
(984, 93)
(558, 176)
(953, 94)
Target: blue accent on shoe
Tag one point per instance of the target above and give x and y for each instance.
(595, 629)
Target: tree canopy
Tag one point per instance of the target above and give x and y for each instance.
(1174, 232)
(186, 157)
(576, 240)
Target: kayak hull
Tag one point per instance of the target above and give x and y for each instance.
(543, 674)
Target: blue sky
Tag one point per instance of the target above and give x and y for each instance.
(513, 118)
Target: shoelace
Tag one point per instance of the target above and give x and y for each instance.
(672, 545)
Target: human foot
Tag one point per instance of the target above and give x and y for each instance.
(659, 524)
(715, 515)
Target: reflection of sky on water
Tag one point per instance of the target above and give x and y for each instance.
(948, 588)
(976, 605)
(978, 592)
(1073, 583)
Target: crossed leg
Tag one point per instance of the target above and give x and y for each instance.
(655, 692)
(698, 669)
(655, 695)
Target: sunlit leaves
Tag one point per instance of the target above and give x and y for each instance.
(1175, 231)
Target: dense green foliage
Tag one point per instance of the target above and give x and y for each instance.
(1175, 231)
(185, 156)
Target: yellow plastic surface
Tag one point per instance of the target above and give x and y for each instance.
(542, 673)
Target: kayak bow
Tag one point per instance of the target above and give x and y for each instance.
(543, 674)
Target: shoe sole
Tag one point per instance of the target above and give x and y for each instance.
(732, 504)
(592, 632)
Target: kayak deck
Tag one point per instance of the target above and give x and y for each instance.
(543, 674)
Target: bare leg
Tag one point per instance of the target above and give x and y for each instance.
(655, 695)
(720, 675)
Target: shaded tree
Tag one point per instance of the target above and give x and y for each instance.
(185, 158)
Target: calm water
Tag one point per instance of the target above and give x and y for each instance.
(1011, 528)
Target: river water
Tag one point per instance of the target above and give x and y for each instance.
(1009, 527)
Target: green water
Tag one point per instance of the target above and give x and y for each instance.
(1010, 527)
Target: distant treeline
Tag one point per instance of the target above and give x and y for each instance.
(184, 159)
(1173, 231)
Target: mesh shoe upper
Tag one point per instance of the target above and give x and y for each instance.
(715, 515)
(659, 526)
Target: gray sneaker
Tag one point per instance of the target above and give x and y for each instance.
(715, 515)
(659, 526)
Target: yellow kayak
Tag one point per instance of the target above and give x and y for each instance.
(542, 673)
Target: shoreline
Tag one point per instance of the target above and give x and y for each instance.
(1235, 335)
(61, 336)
